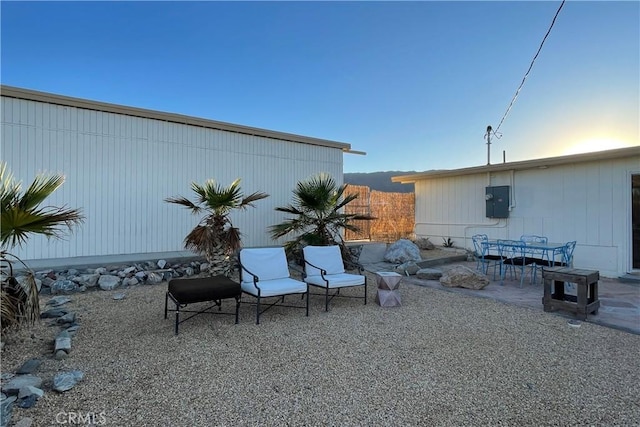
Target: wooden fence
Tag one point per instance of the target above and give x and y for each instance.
(394, 213)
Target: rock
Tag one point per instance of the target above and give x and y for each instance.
(129, 270)
(461, 276)
(130, 281)
(58, 301)
(407, 269)
(154, 278)
(63, 342)
(30, 390)
(27, 402)
(66, 380)
(71, 330)
(6, 409)
(402, 251)
(67, 318)
(24, 281)
(88, 280)
(108, 282)
(141, 275)
(161, 263)
(61, 354)
(53, 313)
(119, 296)
(101, 270)
(28, 367)
(15, 384)
(24, 422)
(429, 274)
(424, 243)
(63, 287)
(47, 281)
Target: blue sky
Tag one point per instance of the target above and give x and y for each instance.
(413, 84)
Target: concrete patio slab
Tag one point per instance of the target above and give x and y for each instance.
(619, 300)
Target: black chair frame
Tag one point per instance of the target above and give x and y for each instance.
(279, 298)
(327, 296)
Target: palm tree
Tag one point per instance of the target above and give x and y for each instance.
(22, 216)
(317, 215)
(215, 237)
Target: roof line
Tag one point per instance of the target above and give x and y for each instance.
(522, 165)
(32, 95)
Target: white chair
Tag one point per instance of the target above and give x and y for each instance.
(325, 268)
(264, 273)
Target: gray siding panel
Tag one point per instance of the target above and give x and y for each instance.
(119, 169)
(588, 202)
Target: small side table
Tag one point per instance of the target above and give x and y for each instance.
(388, 294)
(587, 288)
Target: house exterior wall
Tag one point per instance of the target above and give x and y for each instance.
(119, 169)
(588, 202)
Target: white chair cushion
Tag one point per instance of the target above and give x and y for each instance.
(266, 263)
(340, 280)
(275, 287)
(328, 258)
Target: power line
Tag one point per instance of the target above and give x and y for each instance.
(529, 70)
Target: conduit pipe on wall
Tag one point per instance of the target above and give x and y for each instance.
(467, 226)
(512, 196)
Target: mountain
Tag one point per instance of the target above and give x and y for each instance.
(380, 181)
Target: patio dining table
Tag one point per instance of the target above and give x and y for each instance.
(549, 254)
(553, 252)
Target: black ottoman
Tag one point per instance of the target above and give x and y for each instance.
(214, 289)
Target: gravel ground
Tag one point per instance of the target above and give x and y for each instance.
(440, 359)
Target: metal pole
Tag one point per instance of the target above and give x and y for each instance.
(489, 145)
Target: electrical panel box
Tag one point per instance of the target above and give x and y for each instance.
(497, 199)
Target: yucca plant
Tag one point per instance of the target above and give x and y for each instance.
(215, 237)
(317, 215)
(22, 215)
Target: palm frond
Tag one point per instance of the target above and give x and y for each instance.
(17, 224)
(41, 188)
(316, 210)
(214, 236)
(21, 215)
(248, 200)
(184, 202)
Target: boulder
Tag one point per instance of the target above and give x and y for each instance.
(108, 282)
(460, 276)
(424, 243)
(407, 269)
(402, 251)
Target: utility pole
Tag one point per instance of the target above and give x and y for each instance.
(488, 135)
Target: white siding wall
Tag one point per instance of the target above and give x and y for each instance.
(120, 168)
(587, 202)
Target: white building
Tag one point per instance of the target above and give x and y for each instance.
(120, 163)
(592, 198)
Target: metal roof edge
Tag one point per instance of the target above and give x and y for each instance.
(32, 95)
(522, 165)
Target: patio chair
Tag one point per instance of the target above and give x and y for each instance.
(324, 267)
(484, 259)
(264, 273)
(514, 258)
(537, 258)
